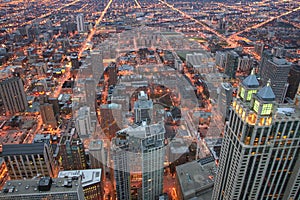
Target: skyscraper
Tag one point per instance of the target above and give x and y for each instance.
(80, 22)
(224, 100)
(90, 93)
(260, 154)
(71, 151)
(277, 70)
(245, 63)
(293, 80)
(138, 155)
(143, 108)
(74, 61)
(112, 73)
(97, 64)
(13, 95)
(231, 63)
(98, 154)
(83, 121)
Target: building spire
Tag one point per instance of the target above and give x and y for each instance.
(251, 81)
(253, 71)
(266, 93)
(269, 82)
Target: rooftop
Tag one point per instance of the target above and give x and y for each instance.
(95, 145)
(88, 176)
(266, 93)
(23, 149)
(31, 187)
(196, 178)
(251, 80)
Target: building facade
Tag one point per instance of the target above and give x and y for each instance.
(224, 100)
(276, 70)
(293, 80)
(83, 121)
(13, 95)
(231, 63)
(260, 150)
(143, 108)
(4, 176)
(80, 23)
(138, 155)
(71, 152)
(91, 182)
(48, 117)
(98, 154)
(29, 160)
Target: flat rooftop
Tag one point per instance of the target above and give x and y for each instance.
(23, 149)
(88, 176)
(16, 188)
(196, 178)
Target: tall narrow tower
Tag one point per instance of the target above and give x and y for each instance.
(260, 154)
(80, 22)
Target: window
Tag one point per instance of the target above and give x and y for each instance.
(249, 95)
(242, 93)
(267, 109)
(256, 106)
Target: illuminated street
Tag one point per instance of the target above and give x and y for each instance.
(135, 99)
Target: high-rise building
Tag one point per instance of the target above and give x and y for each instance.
(91, 180)
(138, 155)
(74, 61)
(80, 23)
(98, 154)
(43, 188)
(224, 100)
(178, 65)
(83, 121)
(259, 48)
(90, 93)
(231, 63)
(260, 153)
(143, 108)
(245, 63)
(97, 64)
(278, 51)
(293, 80)
(13, 95)
(266, 55)
(71, 151)
(276, 70)
(29, 160)
(112, 73)
(220, 59)
(111, 119)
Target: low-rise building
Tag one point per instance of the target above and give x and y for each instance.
(91, 180)
(44, 188)
(195, 180)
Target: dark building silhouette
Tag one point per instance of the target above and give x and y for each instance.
(293, 80)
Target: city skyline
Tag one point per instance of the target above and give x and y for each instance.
(159, 99)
